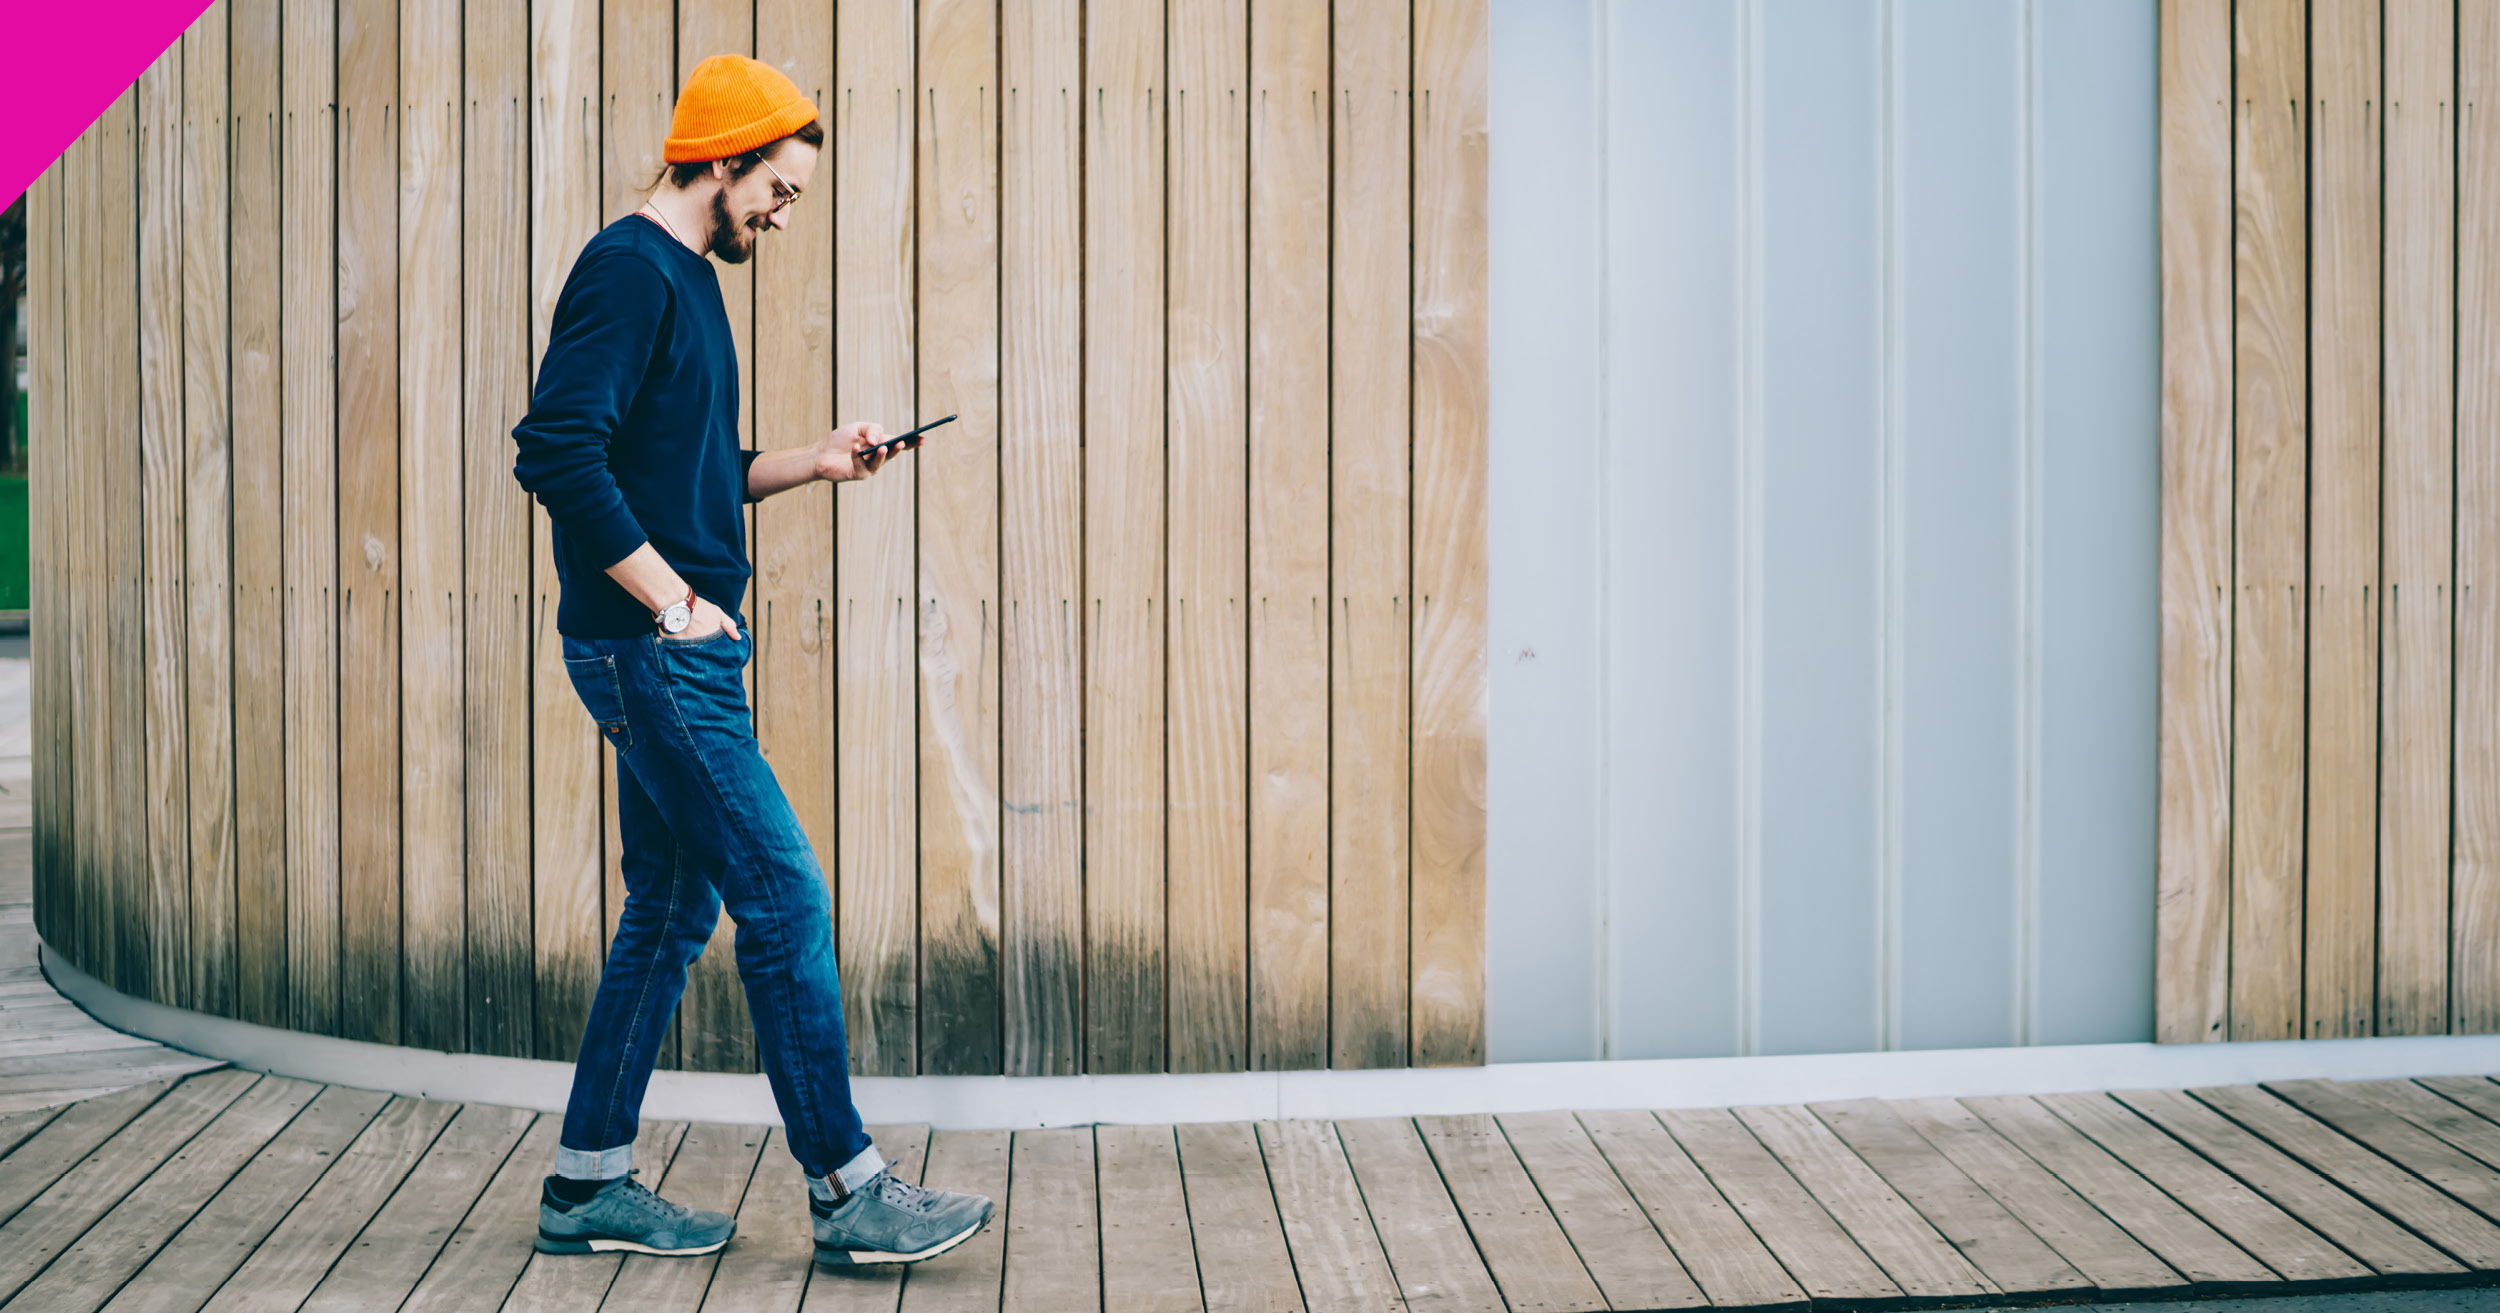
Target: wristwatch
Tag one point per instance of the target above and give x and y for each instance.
(677, 616)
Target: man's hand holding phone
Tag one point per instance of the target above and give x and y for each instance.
(849, 452)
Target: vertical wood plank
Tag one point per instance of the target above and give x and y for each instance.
(1125, 917)
(1370, 629)
(1243, 1265)
(1207, 639)
(2192, 954)
(714, 1033)
(1533, 1261)
(2341, 889)
(564, 746)
(1041, 762)
(90, 865)
(1288, 564)
(1336, 1249)
(494, 375)
(161, 385)
(1724, 1257)
(958, 280)
(2475, 893)
(46, 457)
(1054, 1251)
(2269, 523)
(433, 875)
(126, 930)
(259, 631)
(1435, 1260)
(308, 479)
(369, 835)
(872, 141)
(1149, 1260)
(1452, 688)
(2417, 568)
(976, 1162)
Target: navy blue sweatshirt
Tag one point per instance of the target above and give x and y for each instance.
(632, 432)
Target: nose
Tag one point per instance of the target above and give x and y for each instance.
(780, 218)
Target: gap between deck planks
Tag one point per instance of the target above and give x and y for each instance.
(229, 1190)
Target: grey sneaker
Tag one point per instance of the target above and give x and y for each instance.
(890, 1220)
(626, 1218)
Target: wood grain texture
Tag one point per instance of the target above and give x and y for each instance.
(259, 659)
(484, 1255)
(873, 288)
(969, 1281)
(124, 934)
(1126, 917)
(1884, 1224)
(713, 1028)
(166, 752)
(1243, 1264)
(47, 444)
(2344, 592)
(208, 596)
(1533, 1262)
(1288, 564)
(1206, 715)
(501, 948)
(2458, 1109)
(2116, 1263)
(1435, 1260)
(1149, 1262)
(767, 1270)
(308, 482)
(66, 1140)
(1337, 1250)
(1040, 480)
(406, 1238)
(1626, 1255)
(1814, 1249)
(2374, 1114)
(1054, 1254)
(958, 604)
(2417, 1207)
(1452, 686)
(368, 471)
(2474, 890)
(434, 878)
(1990, 1237)
(2417, 563)
(1724, 1257)
(1370, 311)
(91, 863)
(2270, 522)
(564, 745)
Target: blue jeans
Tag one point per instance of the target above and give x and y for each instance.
(704, 825)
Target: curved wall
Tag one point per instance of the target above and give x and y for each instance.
(1140, 720)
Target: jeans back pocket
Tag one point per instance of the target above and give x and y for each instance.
(595, 682)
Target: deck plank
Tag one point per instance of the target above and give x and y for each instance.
(552, 1283)
(1336, 1250)
(1243, 1264)
(1813, 1247)
(2113, 1261)
(1904, 1244)
(968, 1279)
(477, 1266)
(292, 1260)
(66, 1141)
(2354, 1112)
(222, 1236)
(2328, 1210)
(2475, 1136)
(1624, 1253)
(1992, 1239)
(139, 1223)
(711, 1170)
(52, 1220)
(2400, 1169)
(1149, 1264)
(876, 1289)
(392, 1254)
(1723, 1255)
(17, 1127)
(1431, 1254)
(1053, 1259)
(1534, 1264)
(2476, 1094)
(2250, 1220)
(765, 1269)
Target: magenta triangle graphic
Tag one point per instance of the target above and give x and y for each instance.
(66, 63)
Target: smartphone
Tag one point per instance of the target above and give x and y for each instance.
(903, 440)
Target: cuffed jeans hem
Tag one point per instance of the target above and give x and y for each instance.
(594, 1164)
(857, 1172)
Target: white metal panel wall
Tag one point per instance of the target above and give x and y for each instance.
(1825, 454)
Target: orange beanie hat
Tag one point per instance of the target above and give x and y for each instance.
(731, 105)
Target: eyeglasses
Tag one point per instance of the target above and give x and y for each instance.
(784, 195)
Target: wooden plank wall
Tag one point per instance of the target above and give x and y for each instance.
(1139, 719)
(2330, 775)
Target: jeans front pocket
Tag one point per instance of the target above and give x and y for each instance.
(595, 681)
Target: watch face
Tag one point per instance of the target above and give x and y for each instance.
(676, 618)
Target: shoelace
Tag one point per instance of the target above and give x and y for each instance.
(639, 1195)
(900, 1193)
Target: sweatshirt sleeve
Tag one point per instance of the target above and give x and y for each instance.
(597, 350)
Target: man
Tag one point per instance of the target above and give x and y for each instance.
(631, 443)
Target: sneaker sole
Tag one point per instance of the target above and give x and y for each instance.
(548, 1244)
(875, 1257)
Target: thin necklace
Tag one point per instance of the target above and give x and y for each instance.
(672, 228)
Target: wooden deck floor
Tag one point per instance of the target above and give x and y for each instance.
(231, 1191)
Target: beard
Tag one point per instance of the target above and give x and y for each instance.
(733, 242)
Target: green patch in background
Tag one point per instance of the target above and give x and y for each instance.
(13, 555)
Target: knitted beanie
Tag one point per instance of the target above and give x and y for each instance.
(731, 105)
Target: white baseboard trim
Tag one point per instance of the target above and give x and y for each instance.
(1006, 1102)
